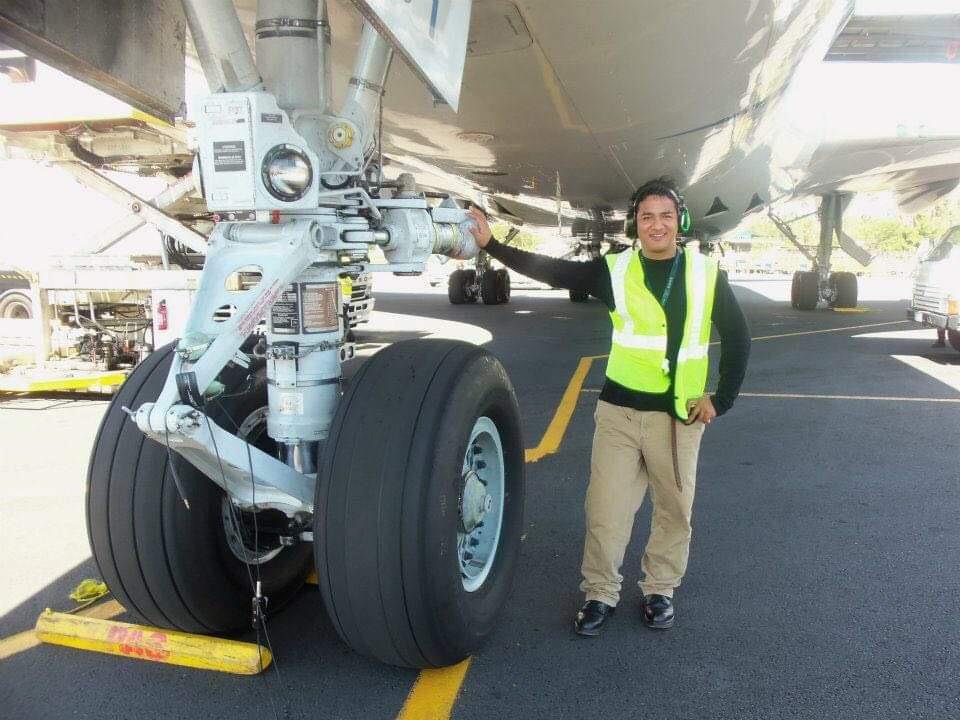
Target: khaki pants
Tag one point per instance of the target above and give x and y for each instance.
(631, 452)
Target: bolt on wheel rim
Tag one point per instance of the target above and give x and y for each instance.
(481, 504)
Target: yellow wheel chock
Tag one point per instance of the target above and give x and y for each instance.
(152, 644)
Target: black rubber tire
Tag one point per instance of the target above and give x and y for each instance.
(470, 291)
(579, 296)
(167, 565)
(455, 288)
(388, 493)
(953, 337)
(16, 305)
(504, 285)
(795, 290)
(490, 288)
(844, 287)
(806, 290)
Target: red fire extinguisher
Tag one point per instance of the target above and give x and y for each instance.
(162, 315)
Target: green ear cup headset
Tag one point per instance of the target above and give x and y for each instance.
(684, 220)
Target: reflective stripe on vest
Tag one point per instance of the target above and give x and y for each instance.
(638, 355)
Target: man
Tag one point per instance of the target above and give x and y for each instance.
(653, 407)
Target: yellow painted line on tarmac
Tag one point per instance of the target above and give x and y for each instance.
(852, 311)
(827, 330)
(28, 639)
(434, 693)
(14, 644)
(152, 644)
(553, 437)
(880, 398)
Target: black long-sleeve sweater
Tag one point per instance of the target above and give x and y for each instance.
(594, 277)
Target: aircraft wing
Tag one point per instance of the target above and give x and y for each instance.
(917, 170)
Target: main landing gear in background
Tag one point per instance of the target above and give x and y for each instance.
(835, 289)
(467, 285)
(840, 290)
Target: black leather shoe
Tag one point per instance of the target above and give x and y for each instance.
(591, 618)
(657, 611)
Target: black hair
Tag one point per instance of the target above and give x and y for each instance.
(660, 187)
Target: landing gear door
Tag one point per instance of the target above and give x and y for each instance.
(430, 34)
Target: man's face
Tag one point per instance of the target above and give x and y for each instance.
(657, 226)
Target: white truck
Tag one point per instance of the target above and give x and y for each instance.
(936, 290)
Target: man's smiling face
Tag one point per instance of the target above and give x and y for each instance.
(657, 227)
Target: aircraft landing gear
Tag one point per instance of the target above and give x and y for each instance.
(226, 455)
(836, 289)
(462, 287)
(495, 287)
(483, 282)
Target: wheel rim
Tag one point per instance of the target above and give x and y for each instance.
(481, 504)
(239, 539)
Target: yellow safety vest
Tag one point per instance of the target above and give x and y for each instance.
(638, 355)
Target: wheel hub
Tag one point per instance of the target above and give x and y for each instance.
(477, 502)
(481, 504)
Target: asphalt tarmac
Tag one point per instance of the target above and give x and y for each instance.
(823, 577)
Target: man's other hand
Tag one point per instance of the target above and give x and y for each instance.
(702, 410)
(480, 228)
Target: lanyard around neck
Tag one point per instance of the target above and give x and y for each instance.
(674, 266)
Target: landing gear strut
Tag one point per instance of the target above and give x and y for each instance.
(232, 457)
(835, 289)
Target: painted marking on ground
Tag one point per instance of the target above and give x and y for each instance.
(880, 398)
(28, 639)
(947, 374)
(557, 428)
(826, 330)
(434, 693)
(553, 437)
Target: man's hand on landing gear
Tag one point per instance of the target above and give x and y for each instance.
(480, 229)
(702, 410)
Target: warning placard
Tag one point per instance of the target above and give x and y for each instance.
(229, 156)
(320, 312)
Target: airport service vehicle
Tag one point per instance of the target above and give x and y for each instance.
(936, 290)
(406, 490)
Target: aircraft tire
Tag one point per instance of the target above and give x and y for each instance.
(170, 566)
(503, 285)
(391, 526)
(16, 305)
(579, 296)
(490, 288)
(953, 337)
(455, 288)
(844, 286)
(806, 290)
